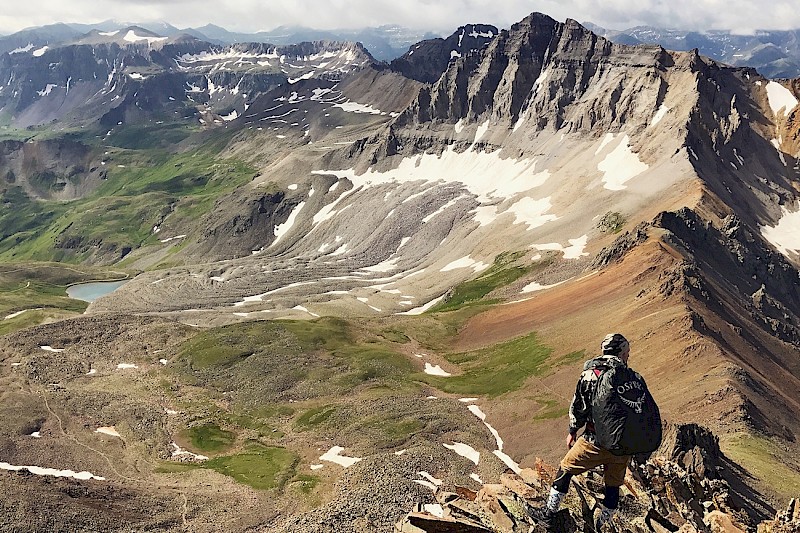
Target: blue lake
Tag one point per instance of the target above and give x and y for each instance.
(89, 292)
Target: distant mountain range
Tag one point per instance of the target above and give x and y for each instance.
(384, 42)
(775, 54)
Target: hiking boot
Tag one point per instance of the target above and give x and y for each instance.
(543, 516)
(603, 521)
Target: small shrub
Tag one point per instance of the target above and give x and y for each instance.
(611, 222)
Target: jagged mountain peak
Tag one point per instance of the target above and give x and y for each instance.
(427, 60)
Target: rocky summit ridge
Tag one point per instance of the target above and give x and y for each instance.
(397, 264)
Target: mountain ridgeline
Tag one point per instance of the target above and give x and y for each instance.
(489, 205)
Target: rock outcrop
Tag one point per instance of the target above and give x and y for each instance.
(427, 60)
(678, 489)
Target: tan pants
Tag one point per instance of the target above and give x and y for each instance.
(584, 456)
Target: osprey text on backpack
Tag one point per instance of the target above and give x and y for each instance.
(626, 418)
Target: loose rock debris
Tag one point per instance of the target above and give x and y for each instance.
(681, 489)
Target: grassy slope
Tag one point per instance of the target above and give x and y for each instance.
(144, 183)
(40, 290)
(766, 460)
(352, 361)
(505, 270)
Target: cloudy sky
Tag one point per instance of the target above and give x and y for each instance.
(442, 16)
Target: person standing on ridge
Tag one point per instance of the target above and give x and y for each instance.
(620, 418)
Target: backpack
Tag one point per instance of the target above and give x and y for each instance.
(626, 418)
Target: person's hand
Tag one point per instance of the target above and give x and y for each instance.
(570, 440)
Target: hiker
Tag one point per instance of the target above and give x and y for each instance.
(620, 420)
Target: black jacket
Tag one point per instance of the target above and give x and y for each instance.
(580, 411)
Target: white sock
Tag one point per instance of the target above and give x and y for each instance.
(605, 515)
(554, 500)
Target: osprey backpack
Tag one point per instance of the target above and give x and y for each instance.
(626, 418)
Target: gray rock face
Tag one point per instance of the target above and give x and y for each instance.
(427, 60)
(746, 267)
(51, 169)
(693, 447)
(539, 66)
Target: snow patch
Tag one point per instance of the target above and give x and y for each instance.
(384, 266)
(108, 430)
(509, 462)
(620, 166)
(436, 371)
(475, 410)
(780, 98)
(40, 52)
(465, 262)
(22, 50)
(40, 471)
(464, 450)
(126, 366)
(540, 80)
(481, 131)
(132, 37)
(435, 509)
(47, 90)
(533, 287)
(785, 235)
(607, 139)
(475, 34)
(573, 251)
(47, 348)
(509, 176)
(281, 229)
(306, 76)
(333, 456)
(354, 107)
(662, 111)
(304, 310)
(532, 213)
(15, 315)
(422, 309)
(177, 452)
(233, 115)
(435, 481)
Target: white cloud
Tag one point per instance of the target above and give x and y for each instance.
(442, 15)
